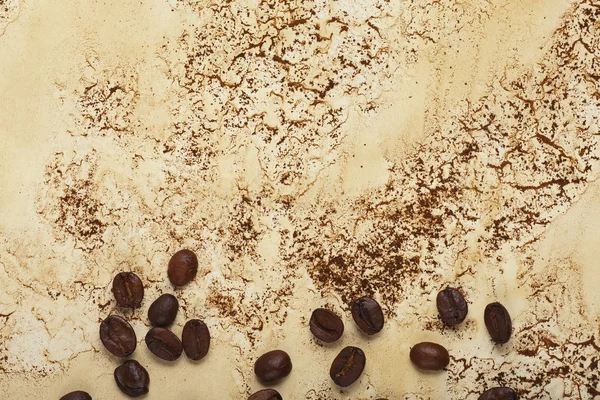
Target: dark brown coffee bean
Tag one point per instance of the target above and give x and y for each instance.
(273, 366)
(266, 394)
(498, 322)
(347, 366)
(118, 336)
(196, 339)
(499, 393)
(183, 267)
(452, 306)
(325, 325)
(368, 315)
(164, 344)
(429, 356)
(128, 290)
(77, 395)
(132, 378)
(162, 311)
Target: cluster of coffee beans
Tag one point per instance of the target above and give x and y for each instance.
(328, 327)
(349, 364)
(132, 379)
(452, 308)
(120, 339)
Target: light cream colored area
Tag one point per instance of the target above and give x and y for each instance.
(274, 138)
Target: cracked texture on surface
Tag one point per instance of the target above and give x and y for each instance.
(310, 152)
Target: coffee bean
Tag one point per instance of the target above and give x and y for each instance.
(368, 315)
(273, 366)
(128, 290)
(266, 394)
(325, 325)
(429, 356)
(499, 393)
(77, 395)
(498, 323)
(132, 378)
(162, 311)
(452, 306)
(118, 336)
(183, 267)
(347, 366)
(196, 339)
(164, 344)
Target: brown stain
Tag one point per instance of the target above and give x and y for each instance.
(500, 163)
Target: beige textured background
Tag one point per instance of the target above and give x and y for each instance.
(309, 152)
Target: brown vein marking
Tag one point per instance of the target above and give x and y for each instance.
(488, 166)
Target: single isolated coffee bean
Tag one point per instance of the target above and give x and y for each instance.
(128, 290)
(183, 267)
(77, 395)
(347, 366)
(452, 306)
(429, 356)
(118, 336)
(273, 366)
(162, 311)
(368, 315)
(498, 322)
(266, 394)
(196, 339)
(326, 325)
(132, 378)
(499, 393)
(164, 344)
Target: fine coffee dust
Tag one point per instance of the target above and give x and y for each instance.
(253, 128)
(9, 10)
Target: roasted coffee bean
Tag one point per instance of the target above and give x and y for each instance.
(196, 339)
(498, 322)
(499, 393)
(273, 366)
(164, 344)
(266, 394)
(347, 366)
(77, 395)
(325, 325)
(162, 311)
(452, 306)
(368, 315)
(183, 267)
(429, 356)
(128, 290)
(132, 378)
(118, 336)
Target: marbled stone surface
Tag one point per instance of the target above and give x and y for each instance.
(310, 152)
